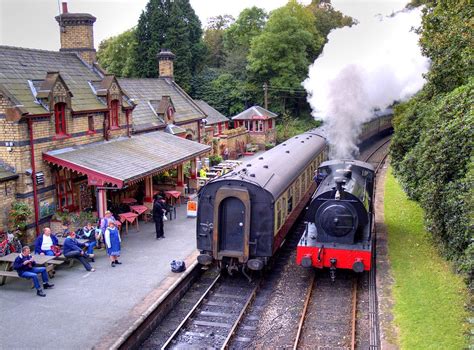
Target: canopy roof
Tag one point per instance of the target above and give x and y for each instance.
(123, 161)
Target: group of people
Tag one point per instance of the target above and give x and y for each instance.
(48, 244)
(106, 233)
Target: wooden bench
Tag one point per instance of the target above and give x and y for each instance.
(5, 274)
(62, 259)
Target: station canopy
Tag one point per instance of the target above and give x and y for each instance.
(123, 161)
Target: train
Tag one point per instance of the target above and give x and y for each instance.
(245, 215)
(339, 220)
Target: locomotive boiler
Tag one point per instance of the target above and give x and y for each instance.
(339, 219)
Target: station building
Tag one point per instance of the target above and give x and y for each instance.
(260, 123)
(68, 135)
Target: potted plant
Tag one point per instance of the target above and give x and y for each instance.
(18, 217)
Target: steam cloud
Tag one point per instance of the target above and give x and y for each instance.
(365, 67)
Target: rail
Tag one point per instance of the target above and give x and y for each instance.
(191, 312)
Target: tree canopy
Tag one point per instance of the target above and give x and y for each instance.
(173, 25)
(116, 54)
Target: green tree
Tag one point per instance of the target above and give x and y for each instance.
(173, 25)
(447, 39)
(214, 39)
(116, 54)
(327, 18)
(288, 44)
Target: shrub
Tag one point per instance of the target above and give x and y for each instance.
(18, 216)
(215, 159)
(433, 157)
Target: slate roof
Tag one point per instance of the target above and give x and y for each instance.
(142, 91)
(213, 115)
(18, 65)
(255, 112)
(124, 160)
(6, 174)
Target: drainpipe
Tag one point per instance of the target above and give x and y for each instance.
(33, 174)
(127, 114)
(199, 130)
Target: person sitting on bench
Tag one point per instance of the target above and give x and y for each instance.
(24, 264)
(44, 242)
(73, 249)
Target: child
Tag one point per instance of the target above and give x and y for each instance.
(112, 241)
(90, 233)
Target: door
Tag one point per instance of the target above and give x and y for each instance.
(231, 221)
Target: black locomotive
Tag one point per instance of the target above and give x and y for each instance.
(340, 218)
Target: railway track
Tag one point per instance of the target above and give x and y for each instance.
(328, 318)
(329, 313)
(214, 318)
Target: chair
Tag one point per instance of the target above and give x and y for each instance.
(171, 212)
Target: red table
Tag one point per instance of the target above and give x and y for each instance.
(173, 195)
(129, 218)
(128, 201)
(139, 209)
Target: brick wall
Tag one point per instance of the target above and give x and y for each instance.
(79, 37)
(165, 68)
(19, 156)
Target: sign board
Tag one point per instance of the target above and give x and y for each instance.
(192, 209)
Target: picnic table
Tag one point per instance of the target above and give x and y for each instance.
(62, 239)
(173, 196)
(10, 258)
(129, 217)
(139, 209)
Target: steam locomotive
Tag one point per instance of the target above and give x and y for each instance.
(339, 219)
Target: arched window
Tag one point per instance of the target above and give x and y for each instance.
(114, 114)
(60, 118)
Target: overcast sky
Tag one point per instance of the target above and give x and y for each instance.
(31, 23)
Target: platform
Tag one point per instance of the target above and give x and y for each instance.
(92, 309)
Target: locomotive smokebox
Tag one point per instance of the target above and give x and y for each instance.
(337, 222)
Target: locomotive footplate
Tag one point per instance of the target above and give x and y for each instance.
(311, 252)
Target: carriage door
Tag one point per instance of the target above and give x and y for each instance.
(233, 223)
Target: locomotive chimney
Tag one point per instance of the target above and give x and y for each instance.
(339, 189)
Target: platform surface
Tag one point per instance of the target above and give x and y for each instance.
(91, 309)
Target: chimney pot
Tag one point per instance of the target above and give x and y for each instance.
(65, 7)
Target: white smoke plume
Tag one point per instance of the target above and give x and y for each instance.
(365, 67)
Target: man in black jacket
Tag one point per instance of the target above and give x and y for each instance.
(24, 264)
(158, 211)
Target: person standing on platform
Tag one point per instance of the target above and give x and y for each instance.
(24, 264)
(44, 242)
(72, 249)
(158, 211)
(112, 242)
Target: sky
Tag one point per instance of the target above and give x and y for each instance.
(31, 23)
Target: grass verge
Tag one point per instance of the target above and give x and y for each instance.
(429, 298)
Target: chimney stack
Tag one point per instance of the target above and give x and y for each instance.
(165, 63)
(77, 34)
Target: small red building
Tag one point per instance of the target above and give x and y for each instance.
(260, 124)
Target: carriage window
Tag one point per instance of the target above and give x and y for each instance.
(278, 214)
(297, 190)
(290, 201)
